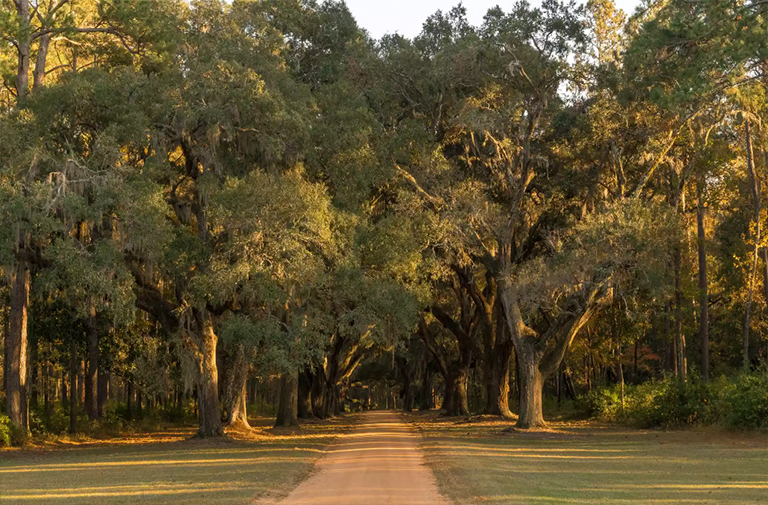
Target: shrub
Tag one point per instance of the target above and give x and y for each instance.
(5, 431)
(746, 404)
(740, 403)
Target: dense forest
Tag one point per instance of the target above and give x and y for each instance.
(207, 205)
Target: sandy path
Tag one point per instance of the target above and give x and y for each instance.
(377, 463)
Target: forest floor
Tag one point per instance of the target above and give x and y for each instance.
(476, 462)
(167, 467)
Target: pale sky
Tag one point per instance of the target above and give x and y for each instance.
(406, 16)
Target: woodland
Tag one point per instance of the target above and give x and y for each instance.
(209, 208)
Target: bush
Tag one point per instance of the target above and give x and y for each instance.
(5, 431)
(740, 403)
(746, 404)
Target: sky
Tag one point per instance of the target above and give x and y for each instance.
(406, 16)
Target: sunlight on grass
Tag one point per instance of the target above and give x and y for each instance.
(583, 463)
(192, 471)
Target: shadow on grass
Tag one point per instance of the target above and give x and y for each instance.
(590, 463)
(167, 468)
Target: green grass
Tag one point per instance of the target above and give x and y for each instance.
(164, 468)
(583, 463)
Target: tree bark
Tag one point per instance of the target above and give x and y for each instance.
(304, 408)
(92, 375)
(16, 385)
(682, 360)
(236, 390)
(318, 392)
(531, 414)
(425, 391)
(703, 288)
(287, 414)
(209, 418)
(24, 48)
(755, 188)
(74, 363)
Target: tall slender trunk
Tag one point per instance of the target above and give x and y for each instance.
(92, 374)
(287, 414)
(755, 188)
(703, 286)
(682, 364)
(74, 365)
(16, 385)
(24, 48)
(129, 400)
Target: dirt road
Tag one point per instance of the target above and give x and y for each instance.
(377, 463)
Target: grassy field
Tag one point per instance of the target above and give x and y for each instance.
(585, 463)
(164, 468)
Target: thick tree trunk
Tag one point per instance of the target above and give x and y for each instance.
(73, 372)
(703, 289)
(304, 408)
(531, 389)
(92, 374)
(425, 391)
(318, 393)
(16, 384)
(236, 391)
(209, 417)
(287, 414)
(408, 396)
(497, 384)
(456, 401)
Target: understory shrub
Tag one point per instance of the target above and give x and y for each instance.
(739, 403)
(5, 431)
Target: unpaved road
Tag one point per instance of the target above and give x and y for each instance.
(377, 463)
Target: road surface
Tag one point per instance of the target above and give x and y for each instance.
(377, 463)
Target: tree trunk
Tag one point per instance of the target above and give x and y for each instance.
(456, 398)
(682, 360)
(73, 372)
(318, 392)
(425, 392)
(287, 414)
(304, 408)
(129, 400)
(497, 382)
(755, 188)
(24, 49)
(16, 385)
(236, 391)
(38, 76)
(531, 413)
(703, 288)
(92, 375)
(209, 418)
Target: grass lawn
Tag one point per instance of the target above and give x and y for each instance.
(588, 463)
(164, 468)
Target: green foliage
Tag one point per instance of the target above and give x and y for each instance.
(5, 431)
(737, 403)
